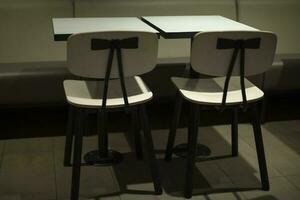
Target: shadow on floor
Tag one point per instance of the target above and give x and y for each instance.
(267, 197)
(133, 176)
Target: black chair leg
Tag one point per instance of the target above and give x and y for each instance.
(192, 144)
(150, 150)
(69, 137)
(80, 124)
(234, 132)
(263, 110)
(135, 125)
(260, 149)
(174, 124)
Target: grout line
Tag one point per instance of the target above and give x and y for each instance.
(268, 160)
(2, 153)
(228, 175)
(237, 10)
(54, 169)
(114, 179)
(73, 8)
(286, 177)
(231, 180)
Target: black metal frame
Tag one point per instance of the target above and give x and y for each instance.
(77, 122)
(237, 45)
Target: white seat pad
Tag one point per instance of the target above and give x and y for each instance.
(83, 93)
(210, 91)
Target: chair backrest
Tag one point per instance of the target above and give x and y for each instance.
(88, 62)
(208, 58)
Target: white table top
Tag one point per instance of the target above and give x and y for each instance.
(64, 27)
(187, 26)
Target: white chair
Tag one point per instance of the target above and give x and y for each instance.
(230, 56)
(108, 63)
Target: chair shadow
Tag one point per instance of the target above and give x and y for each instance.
(133, 176)
(267, 197)
(284, 134)
(173, 182)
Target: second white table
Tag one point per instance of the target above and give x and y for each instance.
(188, 26)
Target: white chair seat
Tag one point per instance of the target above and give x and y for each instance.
(83, 93)
(210, 91)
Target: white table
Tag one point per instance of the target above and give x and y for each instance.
(64, 27)
(188, 26)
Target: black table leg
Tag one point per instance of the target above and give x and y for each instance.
(136, 130)
(174, 124)
(234, 132)
(103, 156)
(192, 144)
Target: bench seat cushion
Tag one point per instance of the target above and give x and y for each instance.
(283, 77)
(32, 83)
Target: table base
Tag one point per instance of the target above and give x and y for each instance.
(180, 150)
(94, 158)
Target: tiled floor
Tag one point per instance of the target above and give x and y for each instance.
(32, 169)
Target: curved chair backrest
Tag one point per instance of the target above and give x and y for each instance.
(211, 52)
(88, 62)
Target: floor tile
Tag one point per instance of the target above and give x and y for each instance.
(246, 163)
(220, 196)
(28, 175)
(280, 188)
(10, 197)
(295, 180)
(286, 131)
(89, 143)
(29, 145)
(133, 178)
(117, 141)
(2, 146)
(160, 138)
(35, 160)
(59, 143)
(169, 196)
(208, 178)
(277, 149)
(139, 191)
(227, 196)
(121, 142)
(94, 181)
(246, 182)
(214, 175)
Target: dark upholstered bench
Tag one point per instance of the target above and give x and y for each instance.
(40, 83)
(32, 83)
(283, 77)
